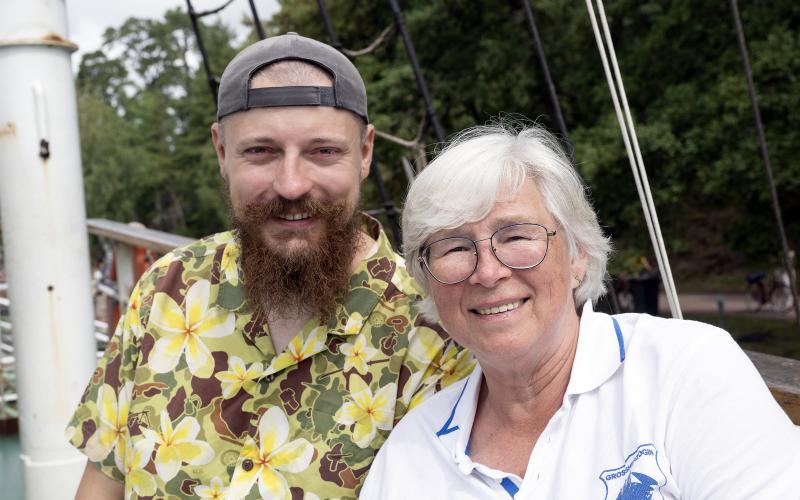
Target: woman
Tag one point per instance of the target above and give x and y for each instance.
(566, 402)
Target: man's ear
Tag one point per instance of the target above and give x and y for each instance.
(366, 150)
(219, 146)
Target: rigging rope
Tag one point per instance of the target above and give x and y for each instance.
(634, 152)
(374, 45)
(212, 11)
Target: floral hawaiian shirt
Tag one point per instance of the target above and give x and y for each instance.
(191, 400)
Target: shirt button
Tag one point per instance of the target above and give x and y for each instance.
(247, 464)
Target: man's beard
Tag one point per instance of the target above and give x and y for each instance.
(283, 282)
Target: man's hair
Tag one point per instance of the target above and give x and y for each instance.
(290, 72)
(488, 164)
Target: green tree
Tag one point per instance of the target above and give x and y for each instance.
(146, 94)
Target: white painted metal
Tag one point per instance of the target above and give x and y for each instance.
(123, 260)
(45, 239)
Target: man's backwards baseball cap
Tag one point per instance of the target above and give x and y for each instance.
(348, 91)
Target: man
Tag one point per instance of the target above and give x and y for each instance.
(270, 361)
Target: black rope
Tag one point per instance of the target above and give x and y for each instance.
(257, 21)
(762, 140)
(326, 20)
(551, 88)
(412, 57)
(212, 11)
(387, 204)
(213, 81)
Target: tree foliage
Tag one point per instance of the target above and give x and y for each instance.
(146, 108)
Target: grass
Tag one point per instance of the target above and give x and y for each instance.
(758, 333)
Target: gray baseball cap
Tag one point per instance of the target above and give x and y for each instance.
(348, 91)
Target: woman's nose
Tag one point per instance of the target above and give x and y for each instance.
(489, 270)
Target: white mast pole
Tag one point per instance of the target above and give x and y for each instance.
(45, 239)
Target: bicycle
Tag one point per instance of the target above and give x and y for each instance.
(777, 298)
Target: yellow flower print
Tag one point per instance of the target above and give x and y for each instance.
(270, 457)
(357, 354)
(453, 365)
(369, 413)
(110, 434)
(239, 376)
(215, 491)
(424, 344)
(299, 349)
(449, 366)
(183, 330)
(354, 324)
(138, 480)
(177, 446)
(228, 265)
(131, 320)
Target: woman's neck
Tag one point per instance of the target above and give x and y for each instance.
(529, 389)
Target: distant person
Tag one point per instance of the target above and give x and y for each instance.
(270, 361)
(566, 402)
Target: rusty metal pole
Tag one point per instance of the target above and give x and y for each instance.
(45, 240)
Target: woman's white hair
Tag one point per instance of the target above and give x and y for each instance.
(487, 164)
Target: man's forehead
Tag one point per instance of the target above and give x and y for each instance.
(278, 124)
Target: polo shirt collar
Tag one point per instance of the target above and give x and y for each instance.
(455, 428)
(600, 351)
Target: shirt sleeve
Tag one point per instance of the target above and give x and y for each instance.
(727, 437)
(98, 428)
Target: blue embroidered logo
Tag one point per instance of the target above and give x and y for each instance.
(640, 478)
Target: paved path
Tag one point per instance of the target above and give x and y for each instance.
(709, 303)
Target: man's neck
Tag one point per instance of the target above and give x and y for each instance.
(283, 327)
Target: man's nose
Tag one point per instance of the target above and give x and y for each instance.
(489, 270)
(292, 181)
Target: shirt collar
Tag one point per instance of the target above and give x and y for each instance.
(368, 282)
(454, 429)
(600, 352)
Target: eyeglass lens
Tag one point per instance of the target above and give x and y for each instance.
(518, 246)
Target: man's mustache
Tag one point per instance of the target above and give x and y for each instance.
(261, 211)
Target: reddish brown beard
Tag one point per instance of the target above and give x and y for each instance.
(288, 283)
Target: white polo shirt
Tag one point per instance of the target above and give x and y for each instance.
(655, 409)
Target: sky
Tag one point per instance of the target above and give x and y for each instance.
(88, 19)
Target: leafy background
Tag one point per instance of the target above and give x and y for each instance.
(145, 110)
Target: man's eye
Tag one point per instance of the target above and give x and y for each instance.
(326, 151)
(258, 150)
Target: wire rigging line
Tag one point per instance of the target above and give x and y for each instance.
(412, 58)
(387, 204)
(212, 11)
(628, 130)
(374, 45)
(257, 21)
(551, 88)
(213, 81)
(762, 141)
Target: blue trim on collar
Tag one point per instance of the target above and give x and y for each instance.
(446, 429)
(620, 340)
(509, 486)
